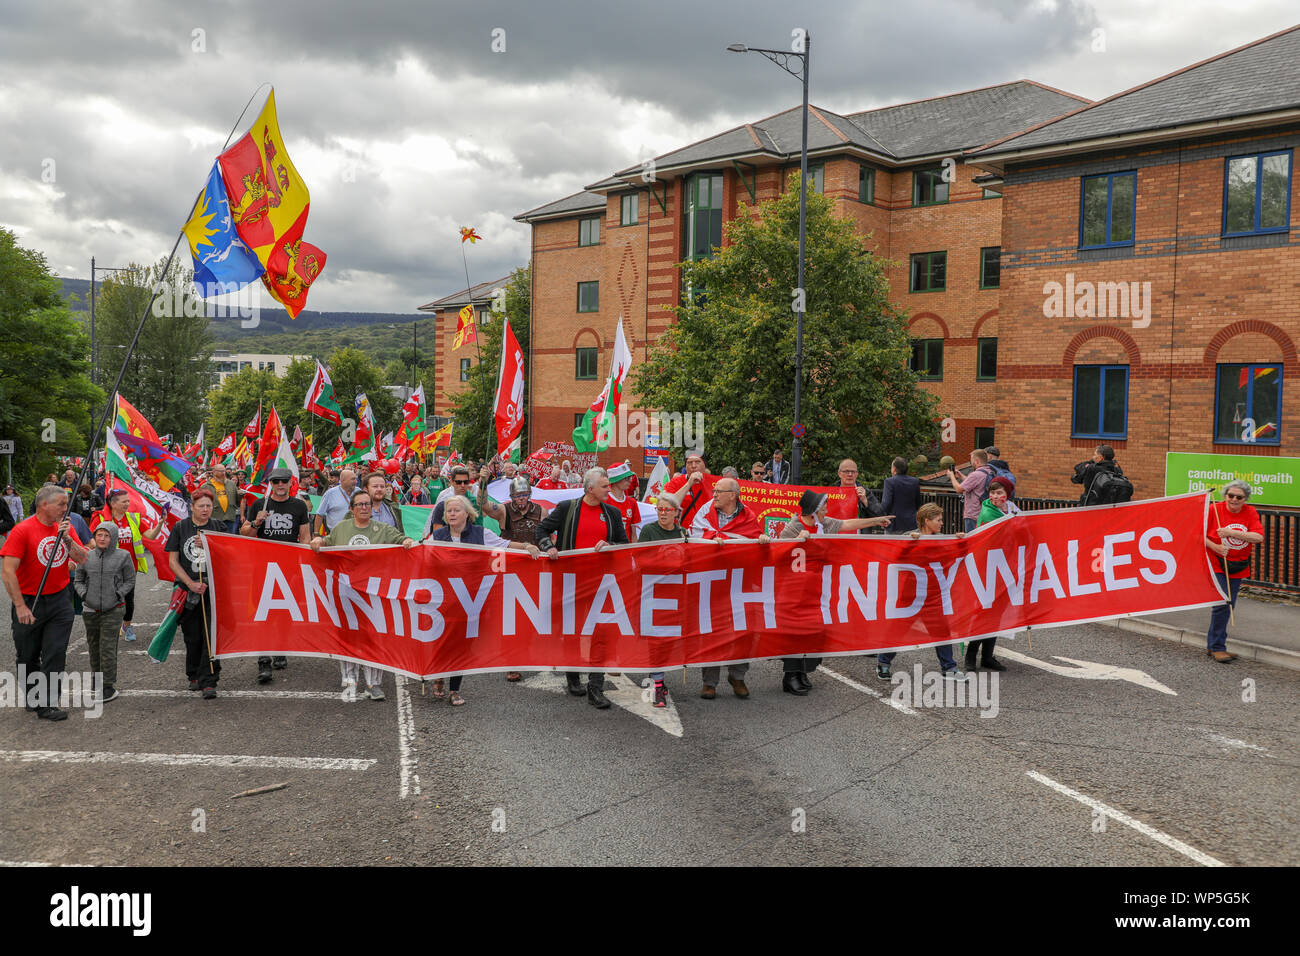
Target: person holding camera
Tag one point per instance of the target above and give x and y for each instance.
(972, 487)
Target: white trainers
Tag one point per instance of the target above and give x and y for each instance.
(349, 691)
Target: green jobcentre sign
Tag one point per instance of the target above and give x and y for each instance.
(1274, 481)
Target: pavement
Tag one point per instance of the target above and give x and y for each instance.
(1097, 747)
(1264, 628)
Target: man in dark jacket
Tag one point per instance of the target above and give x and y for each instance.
(901, 498)
(586, 522)
(102, 582)
(1085, 472)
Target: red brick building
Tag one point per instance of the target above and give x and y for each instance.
(999, 208)
(452, 365)
(1166, 217)
(898, 172)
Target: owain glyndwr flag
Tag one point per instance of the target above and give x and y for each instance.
(444, 609)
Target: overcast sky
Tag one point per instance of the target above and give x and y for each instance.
(405, 124)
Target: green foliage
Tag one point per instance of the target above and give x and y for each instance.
(731, 353)
(45, 389)
(473, 410)
(169, 372)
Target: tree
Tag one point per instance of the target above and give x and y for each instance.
(473, 408)
(46, 397)
(731, 353)
(232, 405)
(170, 371)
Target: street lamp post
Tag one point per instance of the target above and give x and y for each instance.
(782, 59)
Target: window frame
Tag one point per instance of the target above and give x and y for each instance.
(979, 359)
(464, 370)
(927, 344)
(911, 271)
(983, 277)
(936, 171)
(596, 284)
(1250, 402)
(577, 363)
(588, 221)
(635, 203)
(1110, 201)
(1101, 402)
(813, 170)
(992, 438)
(867, 175)
(692, 211)
(1259, 193)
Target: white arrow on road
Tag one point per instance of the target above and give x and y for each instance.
(1090, 670)
(623, 692)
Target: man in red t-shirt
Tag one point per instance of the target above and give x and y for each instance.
(620, 480)
(41, 623)
(1233, 531)
(576, 524)
(695, 487)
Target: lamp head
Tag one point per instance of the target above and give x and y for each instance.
(738, 48)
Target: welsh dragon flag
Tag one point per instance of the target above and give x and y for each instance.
(593, 433)
(363, 442)
(411, 433)
(320, 398)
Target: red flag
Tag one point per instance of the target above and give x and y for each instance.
(254, 428)
(268, 446)
(226, 446)
(339, 452)
(510, 390)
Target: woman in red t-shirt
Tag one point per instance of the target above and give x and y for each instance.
(1233, 531)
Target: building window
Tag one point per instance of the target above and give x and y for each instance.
(928, 187)
(986, 363)
(866, 184)
(244, 365)
(588, 296)
(589, 231)
(927, 359)
(628, 209)
(929, 271)
(1107, 210)
(991, 194)
(817, 178)
(464, 370)
(703, 215)
(485, 315)
(1248, 405)
(1100, 401)
(983, 436)
(990, 267)
(1257, 194)
(577, 419)
(586, 367)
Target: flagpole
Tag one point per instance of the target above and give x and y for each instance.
(130, 350)
(478, 349)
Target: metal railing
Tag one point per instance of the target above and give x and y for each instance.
(1274, 565)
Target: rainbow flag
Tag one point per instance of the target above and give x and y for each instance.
(131, 422)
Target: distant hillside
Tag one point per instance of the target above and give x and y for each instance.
(312, 333)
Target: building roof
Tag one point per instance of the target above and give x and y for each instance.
(479, 293)
(1258, 78)
(578, 202)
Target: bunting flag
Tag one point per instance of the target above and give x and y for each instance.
(509, 403)
(254, 428)
(222, 262)
(268, 446)
(593, 433)
(268, 204)
(466, 333)
(411, 433)
(320, 398)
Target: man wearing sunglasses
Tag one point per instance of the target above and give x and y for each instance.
(461, 483)
(1233, 531)
(277, 517)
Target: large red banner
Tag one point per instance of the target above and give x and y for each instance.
(445, 609)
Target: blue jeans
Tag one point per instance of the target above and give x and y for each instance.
(946, 661)
(1217, 638)
(969, 524)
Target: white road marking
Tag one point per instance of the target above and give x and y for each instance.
(186, 760)
(1163, 838)
(1090, 670)
(897, 705)
(33, 863)
(273, 694)
(1232, 742)
(408, 759)
(622, 691)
